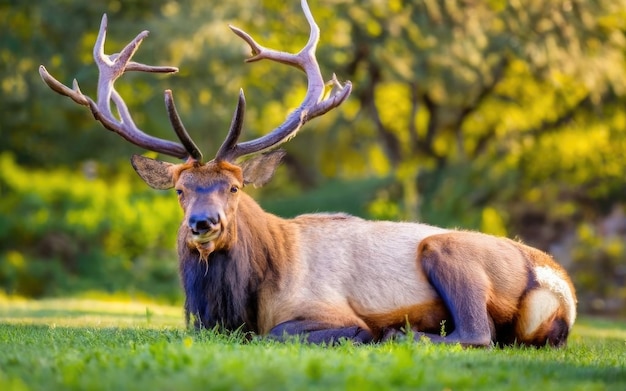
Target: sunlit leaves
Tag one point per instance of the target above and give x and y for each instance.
(492, 222)
(396, 116)
(87, 225)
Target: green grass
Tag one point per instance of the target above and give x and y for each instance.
(88, 344)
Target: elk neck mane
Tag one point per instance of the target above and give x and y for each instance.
(224, 290)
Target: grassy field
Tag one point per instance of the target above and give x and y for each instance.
(106, 344)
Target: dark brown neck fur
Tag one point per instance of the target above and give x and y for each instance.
(224, 290)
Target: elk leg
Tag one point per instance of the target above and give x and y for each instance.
(462, 284)
(319, 333)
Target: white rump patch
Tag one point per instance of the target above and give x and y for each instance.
(542, 303)
(550, 279)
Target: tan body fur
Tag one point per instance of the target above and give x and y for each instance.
(347, 271)
(344, 269)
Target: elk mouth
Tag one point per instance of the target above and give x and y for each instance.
(205, 237)
(204, 243)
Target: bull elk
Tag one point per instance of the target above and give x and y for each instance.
(325, 276)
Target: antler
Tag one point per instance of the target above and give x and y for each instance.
(110, 69)
(316, 102)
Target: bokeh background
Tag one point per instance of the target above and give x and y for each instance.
(507, 117)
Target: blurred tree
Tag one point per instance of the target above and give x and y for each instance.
(504, 85)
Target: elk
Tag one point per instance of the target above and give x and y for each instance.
(325, 277)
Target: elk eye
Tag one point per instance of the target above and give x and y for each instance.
(179, 191)
(234, 189)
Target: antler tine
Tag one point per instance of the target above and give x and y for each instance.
(315, 103)
(179, 128)
(110, 69)
(230, 143)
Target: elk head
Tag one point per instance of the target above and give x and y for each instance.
(208, 192)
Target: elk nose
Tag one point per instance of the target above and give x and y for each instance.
(202, 223)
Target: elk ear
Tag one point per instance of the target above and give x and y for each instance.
(155, 173)
(259, 169)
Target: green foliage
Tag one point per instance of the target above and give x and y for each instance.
(80, 355)
(64, 231)
(351, 197)
(595, 254)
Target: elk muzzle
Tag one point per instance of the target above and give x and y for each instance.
(205, 228)
(204, 224)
